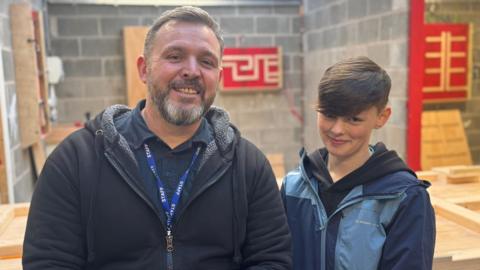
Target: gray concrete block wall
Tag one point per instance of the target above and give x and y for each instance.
(23, 179)
(88, 39)
(339, 29)
(463, 12)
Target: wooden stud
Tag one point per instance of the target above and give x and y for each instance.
(26, 73)
(133, 40)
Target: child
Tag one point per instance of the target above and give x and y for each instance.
(351, 205)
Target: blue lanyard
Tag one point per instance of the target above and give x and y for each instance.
(169, 209)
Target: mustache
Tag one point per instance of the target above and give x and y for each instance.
(193, 84)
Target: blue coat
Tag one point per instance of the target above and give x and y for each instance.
(387, 223)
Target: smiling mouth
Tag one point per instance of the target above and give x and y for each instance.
(188, 91)
(337, 141)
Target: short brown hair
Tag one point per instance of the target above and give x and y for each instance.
(352, 86)
(182, 14)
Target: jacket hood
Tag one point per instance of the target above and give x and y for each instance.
(383, 162)
(225, 134)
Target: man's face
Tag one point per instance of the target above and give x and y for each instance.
(183, 71)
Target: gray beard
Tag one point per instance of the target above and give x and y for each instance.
(174, 114)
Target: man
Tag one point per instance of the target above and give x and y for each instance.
(168, 185)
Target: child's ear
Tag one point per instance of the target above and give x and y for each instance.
(383, 117)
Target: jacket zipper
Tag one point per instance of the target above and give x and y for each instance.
(346, 204)
(169, 236)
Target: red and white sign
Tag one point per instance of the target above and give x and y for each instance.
(447, 62)
(252, 69)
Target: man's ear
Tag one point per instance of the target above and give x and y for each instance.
(383, 117)
(142, 68)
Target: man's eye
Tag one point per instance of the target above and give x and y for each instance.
(173, 57)
(208, 63)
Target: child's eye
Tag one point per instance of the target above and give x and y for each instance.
(329, 116)
(354, 119)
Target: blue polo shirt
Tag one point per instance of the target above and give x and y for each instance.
(171, 163)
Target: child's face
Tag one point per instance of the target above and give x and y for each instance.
(347, 137)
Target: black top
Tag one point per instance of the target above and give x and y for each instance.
(171, 163)
(383, 161)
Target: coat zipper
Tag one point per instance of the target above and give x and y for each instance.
(346, 204)
(169, 235)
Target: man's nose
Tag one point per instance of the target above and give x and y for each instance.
(191, 69)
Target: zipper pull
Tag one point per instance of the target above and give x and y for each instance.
(169, 241)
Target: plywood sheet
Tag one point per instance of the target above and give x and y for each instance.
(13, 220)
(11, 264)
(443, 140)
(26, 72)
(133, 40)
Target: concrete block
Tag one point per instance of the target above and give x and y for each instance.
(73, 27)
(221, 10)
(400, 5)
(82, 67)
(356, 9)
(114, 26)
(8, 66)
(114, 100)
(24, 186)
(338, 13)
(291, 10)
(322, 18)
(70, 88)
(52, 27)
(255, 10)
(71, 110)
(257, 40)
(399, 54)
(291, 43)
(105, 87)
(273, 25)
(368, 30)
(297, 25)
(95, 9)
(352, 30)
(380, 54)
(147, 21)
(286, 63)
(394, 26)
(399, 83)
(277, 136)
(311, 5)
(334, 37)
(314, 40)
(233, 25)
(255, 119)
(310, 21)
(379, 6)
(113, 67)
(297, 62)
(61, 9)
(473, 137)
(65, 47)
(229, 41)
(139, 10)
(399, 112)
(102, 47)
(292, 80)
